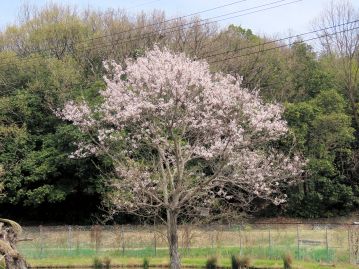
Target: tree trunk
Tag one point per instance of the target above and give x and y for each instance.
(15, 263)
(9, 232)
(172, 238)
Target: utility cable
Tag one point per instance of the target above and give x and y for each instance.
(175, 29)
(149, 25)
(282, 46)
(277, 40)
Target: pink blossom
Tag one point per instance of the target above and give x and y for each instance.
(184, 113)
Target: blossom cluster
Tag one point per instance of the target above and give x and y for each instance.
(184, 112)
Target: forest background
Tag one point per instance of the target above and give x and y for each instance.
(55, 54)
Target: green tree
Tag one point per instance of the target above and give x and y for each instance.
(34, 144)
(324, 134)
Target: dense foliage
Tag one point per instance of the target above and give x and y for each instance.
(324, 133)
(55, 55)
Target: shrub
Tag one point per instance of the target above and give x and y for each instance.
(234, 262)
(146, 263)
(106, 262)
(244, 262)
(287, 261)
(211, 263)
(97, 263)
(240, 262)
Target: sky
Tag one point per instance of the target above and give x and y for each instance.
(288, 19)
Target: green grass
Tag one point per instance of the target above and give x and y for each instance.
(58, 249)
(194, 261)
(79, 242)
(311, 254)
(192, 257)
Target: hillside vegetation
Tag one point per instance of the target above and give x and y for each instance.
(55, 54)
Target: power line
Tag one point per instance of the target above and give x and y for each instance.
(153, 24)
(282, 46)
(277, 40)
(178, 27)
(260, 51)
(193, 14)
(274, 41)
(206, 22)
(146, 35)
(285, 45)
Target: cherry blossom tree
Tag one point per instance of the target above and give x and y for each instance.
(183, 138)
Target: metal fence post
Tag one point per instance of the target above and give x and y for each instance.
(326, 242)
(155, 238)
(41, 241)
(349, 246)
(219, 232)
(76, 231)
(97, 237)
(123, 240)
(240, 240)
(298, 242)
(269, 243)
(249, 239)
(69, 236)
(212, 243)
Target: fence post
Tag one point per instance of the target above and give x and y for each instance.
(69, 235)
(98, 238)
(240, 239)
(123, 240)
(269, 242)
(155, 237)
(41, 241)
(326, 242)
(219, 233)
(212, 240)
(298, 242)
(76, 231)
(349, 246)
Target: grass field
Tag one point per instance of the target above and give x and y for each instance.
(199, 261)
(309, 245)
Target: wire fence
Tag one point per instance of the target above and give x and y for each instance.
(311, 242)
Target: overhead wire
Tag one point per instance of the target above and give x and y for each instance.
(150, 25)
(172, 29)
(282, 46)
(277, 40)
(274, 41)
(206, 21)
(266, 43)
(261, 51)
(286, 46)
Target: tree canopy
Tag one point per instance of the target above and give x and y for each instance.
(208, 140)
(55, 54)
